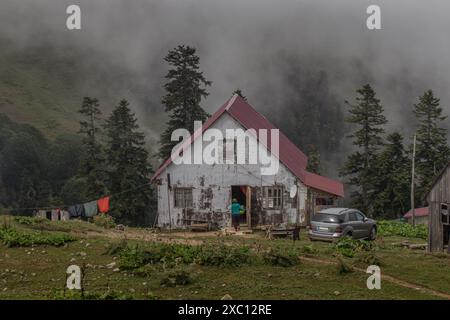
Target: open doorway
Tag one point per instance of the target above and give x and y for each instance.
(446, 236)
(240, 194)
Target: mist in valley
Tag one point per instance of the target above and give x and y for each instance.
(293, 60)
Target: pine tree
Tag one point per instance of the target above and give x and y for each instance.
(367, 115)
(239, 93)
(432, 151)
(313, 159)
(184, 91)
(92, 162)
(392, 196)
(129, 170)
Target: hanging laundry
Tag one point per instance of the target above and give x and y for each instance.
(55, 215)
(65, 216)
(90, 209)
(103, 204)
(76, 211)
(41, 214)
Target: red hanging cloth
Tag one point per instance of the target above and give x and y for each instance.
(103, 204)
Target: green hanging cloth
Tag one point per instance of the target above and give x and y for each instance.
(90, 209)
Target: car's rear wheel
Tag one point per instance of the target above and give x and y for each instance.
(373, 234)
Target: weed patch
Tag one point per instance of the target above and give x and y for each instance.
(309, 249)
(403, 229)
(348, 247)
(223, 256)
(77, 295)
(104, 221)
(177, 278)
(24, 220)
(369, 258)
(276, 257)
(12, 237)
(168, 256)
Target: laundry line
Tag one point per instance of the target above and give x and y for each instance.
(70, 205)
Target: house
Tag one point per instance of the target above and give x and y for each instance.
(420, 215)
(199, 192)
(438, 199)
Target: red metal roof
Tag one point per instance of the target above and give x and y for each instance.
(418, 212)
(294, 159)
(323, 183)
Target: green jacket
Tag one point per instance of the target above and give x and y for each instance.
(235, 209)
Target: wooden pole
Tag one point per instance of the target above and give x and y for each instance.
(412, 182)
(168, 201)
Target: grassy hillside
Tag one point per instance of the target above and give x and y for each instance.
(43, 99)
(139, 264)
(44, 86)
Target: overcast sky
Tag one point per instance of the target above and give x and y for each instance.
(240, 43)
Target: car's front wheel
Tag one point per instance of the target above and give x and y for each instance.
(373, 234)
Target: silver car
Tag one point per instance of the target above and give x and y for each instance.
(333, 223)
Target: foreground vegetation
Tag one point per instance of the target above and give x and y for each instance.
(139, 264)
(397, 228)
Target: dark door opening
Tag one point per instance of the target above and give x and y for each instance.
(239, 193)
(446, 236)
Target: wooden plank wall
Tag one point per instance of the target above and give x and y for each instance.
(440, 193)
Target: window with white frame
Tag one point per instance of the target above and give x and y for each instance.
(273, 197)
(182, 197)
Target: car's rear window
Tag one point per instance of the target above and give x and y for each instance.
(327, 218)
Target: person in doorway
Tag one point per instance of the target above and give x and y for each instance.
(235, 213)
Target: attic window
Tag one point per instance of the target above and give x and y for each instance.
(273, 197)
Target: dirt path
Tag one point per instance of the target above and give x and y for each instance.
(191, 238)
(386, 277)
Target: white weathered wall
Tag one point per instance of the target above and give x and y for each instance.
(212, 187)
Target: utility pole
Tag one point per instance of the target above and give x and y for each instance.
(169, 186)
(412, 182)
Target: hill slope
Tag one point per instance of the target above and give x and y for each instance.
(44, 86)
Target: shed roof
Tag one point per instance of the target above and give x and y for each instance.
(436, 179)
(292, 157)
(418, 212)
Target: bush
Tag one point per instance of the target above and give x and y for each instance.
(12, 237)
(104, 221)
(134, 257)
(116, 247)
(171, 255)
(131, 257)
(348, 247)
(223, 256)
(309, 249)
(403, 229)
(29, 220)
(276, 257)
(177, 278)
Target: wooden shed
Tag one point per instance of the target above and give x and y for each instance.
(439, 219)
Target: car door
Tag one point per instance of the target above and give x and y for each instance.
(363, 225)
(354, 224)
